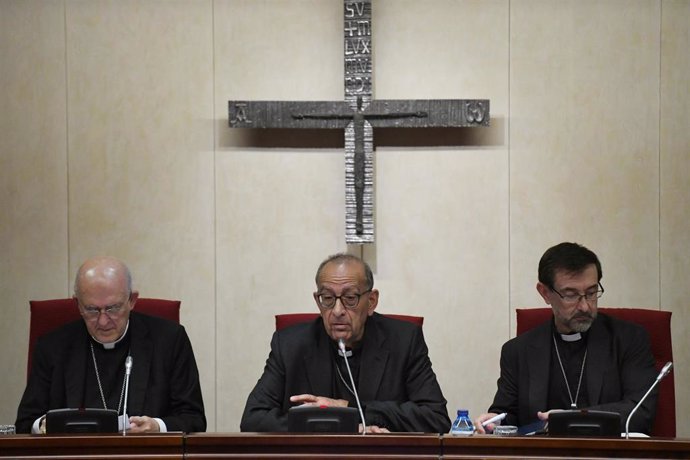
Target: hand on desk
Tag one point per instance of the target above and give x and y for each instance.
(373, 429)
(481, 419)
(143, 424)
(544, 416)
(311, 400)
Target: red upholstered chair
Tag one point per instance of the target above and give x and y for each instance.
(47, 315)
(288, 319)
(658, 326)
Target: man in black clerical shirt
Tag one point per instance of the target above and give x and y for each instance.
(389, 359)
(82, 364)
(579, 359)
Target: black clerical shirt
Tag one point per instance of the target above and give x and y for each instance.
(341, 378)
(572, 354)
(111, 371)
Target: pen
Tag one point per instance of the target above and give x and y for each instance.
(495, 419)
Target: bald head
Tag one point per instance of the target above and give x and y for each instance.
(103, 289)
(102, 271)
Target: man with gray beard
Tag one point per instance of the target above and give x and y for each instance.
(579, 359)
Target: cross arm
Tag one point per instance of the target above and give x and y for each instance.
(289, 114)
(432, 113)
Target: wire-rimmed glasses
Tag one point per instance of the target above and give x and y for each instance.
(574, 298)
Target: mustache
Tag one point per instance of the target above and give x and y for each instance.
(584, 316)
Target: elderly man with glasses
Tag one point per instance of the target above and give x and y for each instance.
(82, 364)
(388, 358)
(578, 360)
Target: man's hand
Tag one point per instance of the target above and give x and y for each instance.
(311, 400)
(481, 419)
(374, 429)
(143, 425)
(545, 415)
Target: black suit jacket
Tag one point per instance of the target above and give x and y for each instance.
(397, 386)
(164, 382)
(619, 370)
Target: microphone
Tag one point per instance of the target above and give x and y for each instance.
(128, 371)
(663, 373)
(344, 354)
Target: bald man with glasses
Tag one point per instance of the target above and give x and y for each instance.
(82, 364)
(388, 359)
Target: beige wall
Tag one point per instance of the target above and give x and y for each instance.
(114, 140)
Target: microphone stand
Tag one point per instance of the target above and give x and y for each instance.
(128, 371)
(341, 346)
(663, 373)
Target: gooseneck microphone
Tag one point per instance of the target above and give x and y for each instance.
(341, 346)
(663, 373)
(128, 371)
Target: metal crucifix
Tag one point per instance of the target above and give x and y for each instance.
(358, 114)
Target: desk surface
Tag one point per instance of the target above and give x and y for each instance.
(273, 445)
(92, 446)
(492, 447)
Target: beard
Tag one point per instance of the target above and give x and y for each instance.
(582, 323)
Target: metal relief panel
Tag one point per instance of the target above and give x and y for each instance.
(357, 48)
(359, 220)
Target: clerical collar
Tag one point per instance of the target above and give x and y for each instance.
(347, 353)
(571, 337)
(111, 345)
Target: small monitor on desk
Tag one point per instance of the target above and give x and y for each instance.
(81, 421)
(585, 423)
(315, 419)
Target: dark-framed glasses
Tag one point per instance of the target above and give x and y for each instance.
(349, 300)
(574, 297)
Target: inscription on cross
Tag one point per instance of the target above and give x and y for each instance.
(358, 114)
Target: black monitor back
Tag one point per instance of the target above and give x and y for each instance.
(315, 419)
(585, 423)
(81, 421)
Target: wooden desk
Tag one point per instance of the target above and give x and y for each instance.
(165, 446)
(254, 445)
(490, 447)
(279, 446)
(263, 445)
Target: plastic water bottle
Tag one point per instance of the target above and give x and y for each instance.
(462, 426)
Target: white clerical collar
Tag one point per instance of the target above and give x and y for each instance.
(571, 337)
(111, 345)
(348, 353)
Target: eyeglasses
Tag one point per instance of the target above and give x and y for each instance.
(349, 300)
(110, 311)
(574, 299)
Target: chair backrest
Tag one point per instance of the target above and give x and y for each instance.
(288, 319)
(48, 315)
(658, 326)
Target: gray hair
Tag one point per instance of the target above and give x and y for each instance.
(341, 257)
